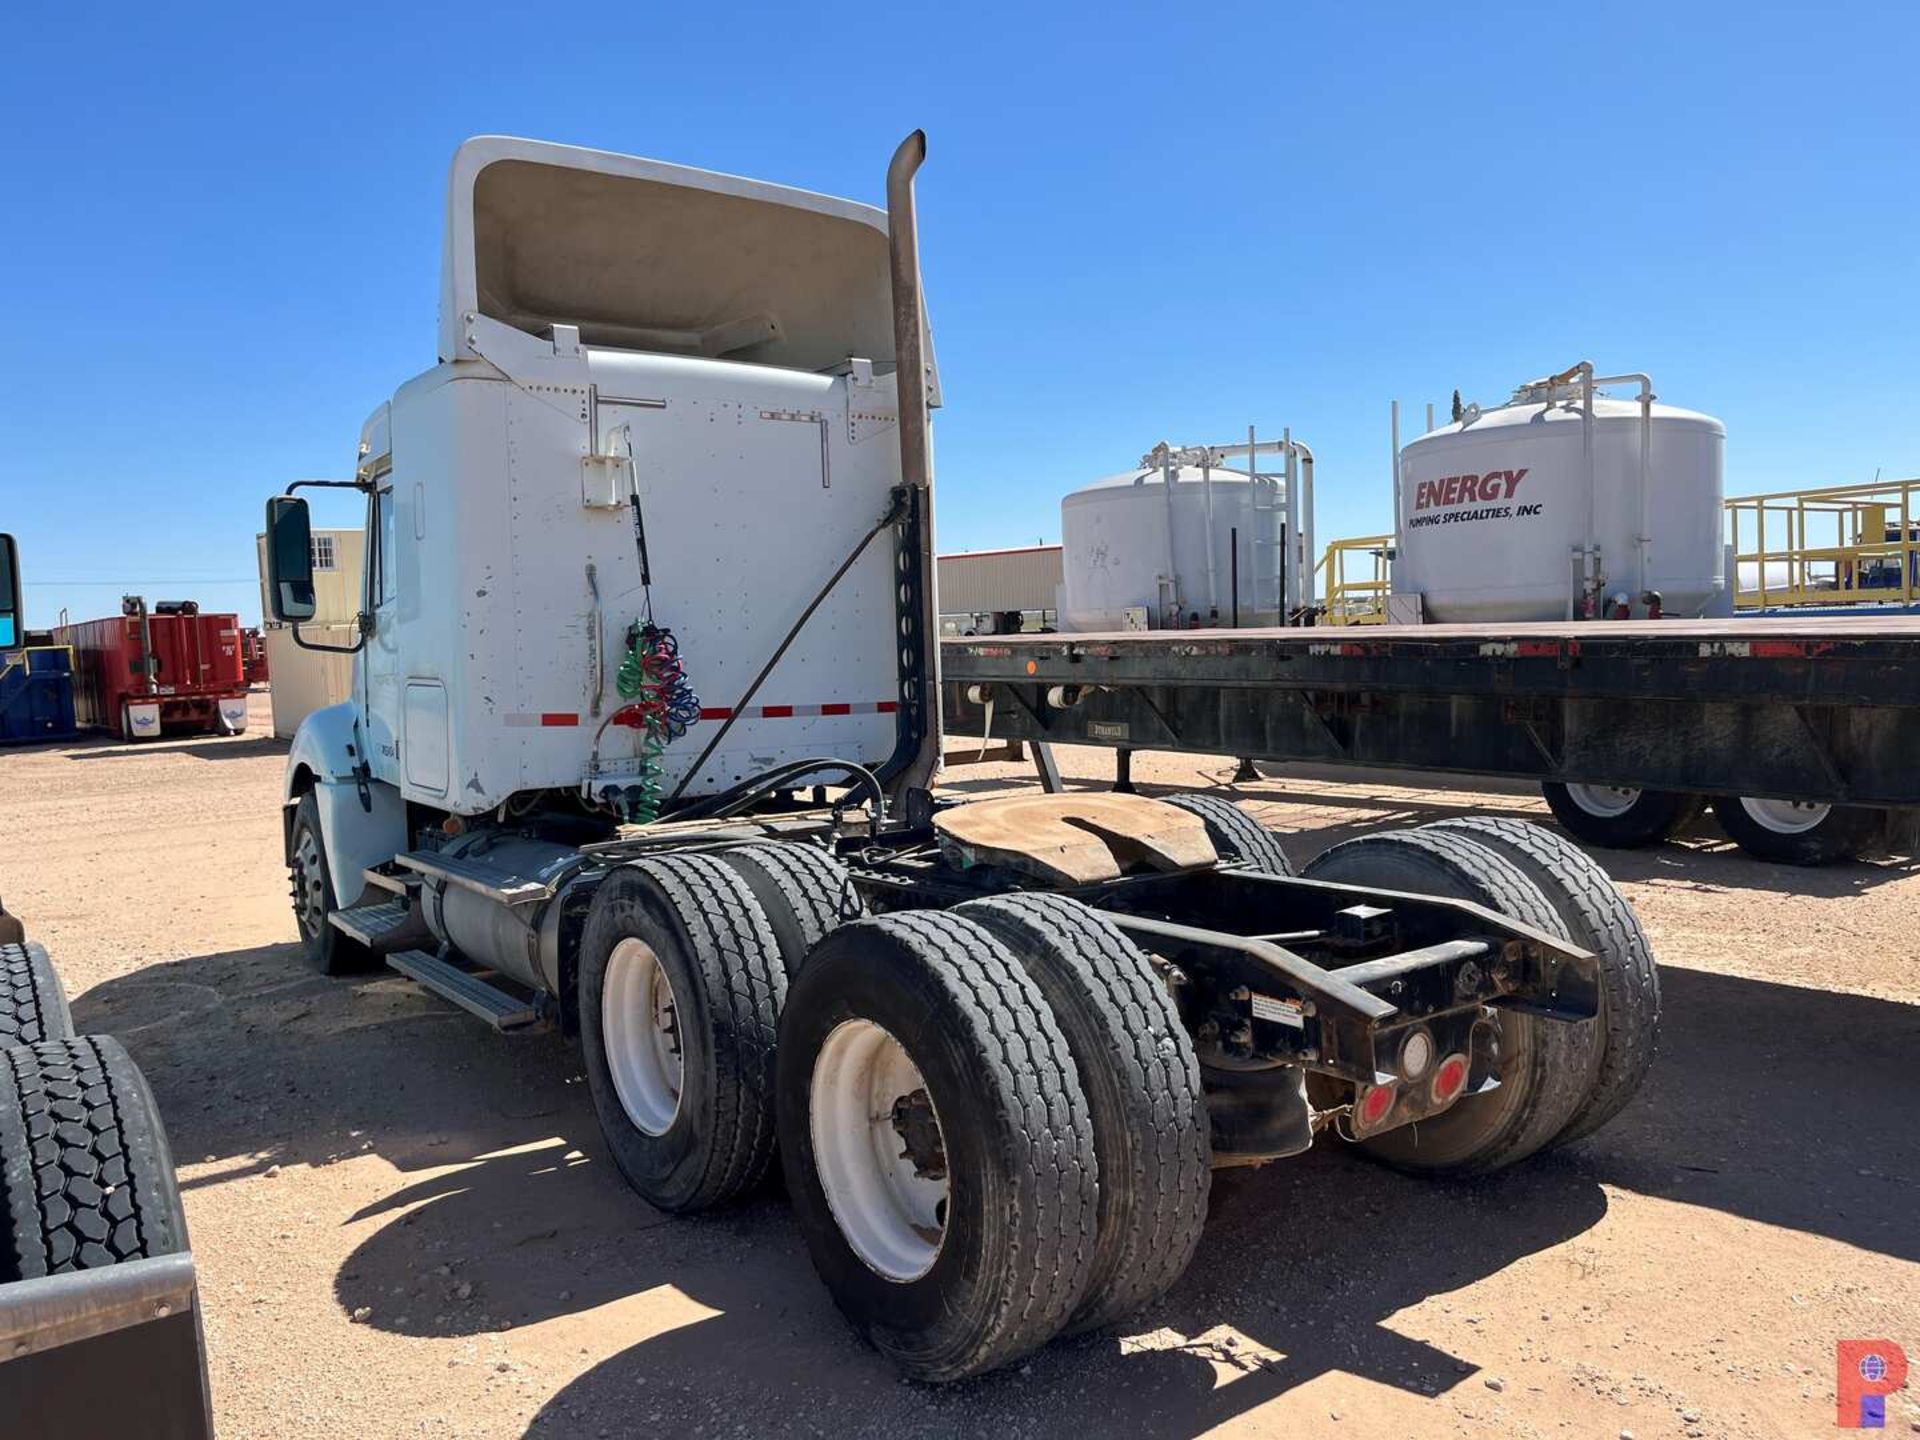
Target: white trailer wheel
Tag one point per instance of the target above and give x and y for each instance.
(893, 1215)
(640, 1019)
(1797, 832)
(1621, 817)
(1786, 817)
(1608, 802)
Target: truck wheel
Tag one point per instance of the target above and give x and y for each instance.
(1235, 833)
(1142, 1083)
(33, 1003)
(87, 1179)
(805, 891)
(1795, 832)
(314, 898)
(680, 993)
(1545, 1067)
(1619, 816)
(936, 1143)
(1597, 917)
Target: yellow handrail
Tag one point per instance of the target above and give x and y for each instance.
(1355, 602)
(1837, 545)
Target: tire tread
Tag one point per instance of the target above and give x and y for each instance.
(87, 1175)
(33, 1003)
(1603, 922)
(1154, 1194)
(1252, 843)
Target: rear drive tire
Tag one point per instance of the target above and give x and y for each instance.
(936, 1143)
(1235, 833)
(1546, 1067)
(314, 898)
(1143, 1088)
(86, 1179)
(1597, 918)
(1618, 816)
(1791, 833)
(680, 993)
(33, 1003)
(805, 891)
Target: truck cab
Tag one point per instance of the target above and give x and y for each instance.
(663, 397)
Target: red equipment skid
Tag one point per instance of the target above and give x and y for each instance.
(196, 680)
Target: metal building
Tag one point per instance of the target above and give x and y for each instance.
(978, 585)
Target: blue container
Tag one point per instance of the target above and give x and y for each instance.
(36, 695)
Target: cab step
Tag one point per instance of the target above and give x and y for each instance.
(383, 926)
(392, 883)
(469, 989)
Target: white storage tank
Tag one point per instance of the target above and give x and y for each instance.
(1546, 507)
(1134, 542)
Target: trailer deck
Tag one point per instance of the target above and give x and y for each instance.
(1822, 709)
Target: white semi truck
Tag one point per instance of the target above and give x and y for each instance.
(641, 747)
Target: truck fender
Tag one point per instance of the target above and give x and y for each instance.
(322, 752)
(358, 829)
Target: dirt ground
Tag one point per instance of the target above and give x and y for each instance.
(405, 1225)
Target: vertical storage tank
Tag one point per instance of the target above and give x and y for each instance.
(1135, 541)
(1546, 506)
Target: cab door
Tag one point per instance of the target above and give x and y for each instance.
(381, 702)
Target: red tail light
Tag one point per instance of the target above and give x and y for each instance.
(1449, 1080)
(1373, 1106)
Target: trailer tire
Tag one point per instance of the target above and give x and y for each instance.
(1791, 834)
(1597, 918)
(33, 1003)
(805, 891)
(1142, 1083)
(1619, 817)
(314, 897)
(86, 1179)
(947, 1284)
(682, 1085)
(1547, 1066)
(1235, 833)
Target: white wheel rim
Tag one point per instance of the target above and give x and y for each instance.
(1785, 817)
(640, 1020)
(1605, 801)
(890, 1206)
(310, 894)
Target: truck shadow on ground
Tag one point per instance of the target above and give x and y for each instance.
(1786, 1106)
(225, 747)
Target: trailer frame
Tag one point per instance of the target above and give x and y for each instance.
(1789, 708)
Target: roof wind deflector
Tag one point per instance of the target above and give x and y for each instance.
(642, 255)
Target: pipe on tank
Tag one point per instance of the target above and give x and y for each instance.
(1591, 579)
(1642, 540)
(1306, 511)
(1394, 425)
(1169, 621)
(1295, 587)
(1213, 574)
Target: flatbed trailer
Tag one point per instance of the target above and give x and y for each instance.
(1813, 719)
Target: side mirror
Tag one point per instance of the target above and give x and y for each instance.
(289, 559)
(9, 593)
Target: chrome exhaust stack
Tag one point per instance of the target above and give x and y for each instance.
(920, 693)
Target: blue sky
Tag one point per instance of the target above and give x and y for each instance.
(222, 231)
